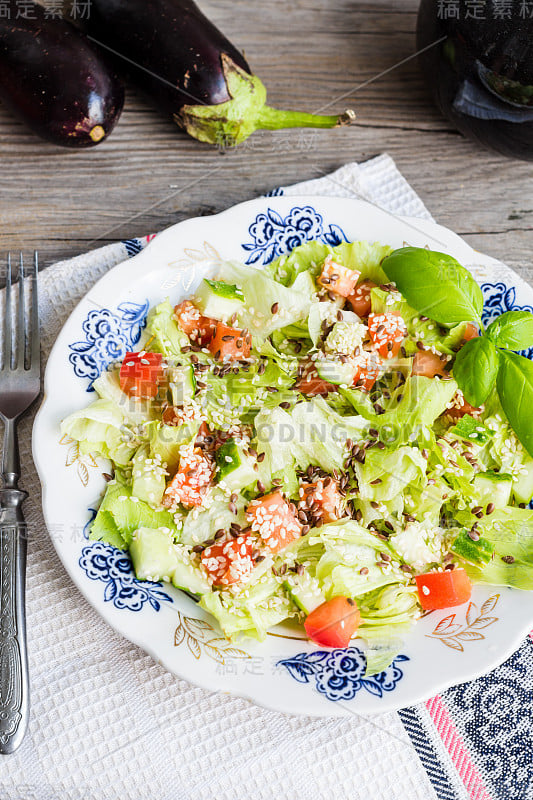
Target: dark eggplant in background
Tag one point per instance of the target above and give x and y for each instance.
(56, 81)
(191, 71)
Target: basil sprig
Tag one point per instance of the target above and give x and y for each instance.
(475, 369)
(515, 388)
(437, 286)
(513, 330)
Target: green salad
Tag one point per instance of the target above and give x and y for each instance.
(334, 439)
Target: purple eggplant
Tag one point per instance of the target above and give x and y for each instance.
(56, 81)
(191, 71)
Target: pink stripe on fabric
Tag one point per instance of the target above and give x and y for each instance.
(457, 750)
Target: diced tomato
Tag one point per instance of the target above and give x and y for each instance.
(171, 416)
(274, 521)
(443, 589)
(428, 364)
(190, 483)
(312, 384)
(326, 495)
(338, 279)
(460, 407)
(141, 373)
(178, 415)
(368, 367)
(334, 622)
(230, 344)
(471, 332)
(203, 432)
(360, 300)
(387, 332)
(230, 560)
(198, 328)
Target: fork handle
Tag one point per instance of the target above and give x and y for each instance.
(14, 676)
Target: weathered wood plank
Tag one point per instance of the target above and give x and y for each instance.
(310, 53)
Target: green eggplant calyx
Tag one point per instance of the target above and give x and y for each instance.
(230, 123)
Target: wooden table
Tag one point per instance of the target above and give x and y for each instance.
(149, 175)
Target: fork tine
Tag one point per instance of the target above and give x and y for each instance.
(21, 326)
(35, 354)
(8, 328)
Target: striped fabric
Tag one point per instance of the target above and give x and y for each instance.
(476, 740)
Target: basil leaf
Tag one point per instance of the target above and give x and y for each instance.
(515, 387)
(513, 330)
(475, 369)
(435, 284)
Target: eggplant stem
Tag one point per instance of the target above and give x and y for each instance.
(273, 119)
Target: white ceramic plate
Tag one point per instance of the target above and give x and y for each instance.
(285, 672)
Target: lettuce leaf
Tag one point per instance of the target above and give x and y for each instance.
(510, 531)
(101, 428)
(163, 334)
(120, 515)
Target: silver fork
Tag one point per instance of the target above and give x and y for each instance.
(20, 382)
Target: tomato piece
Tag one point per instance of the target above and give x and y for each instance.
(274, 521)
(360, 300)
(443, 589)
(338, 279)
(471, 332)
(459, 407)
(367, 371)
(141, 373)
(170, 416)
(429, 364)
(230, 560)
(198, 328)
(325, 493)
(334, 622)
(387, 332)
(311, 383)
(229, 344)
(190, 483)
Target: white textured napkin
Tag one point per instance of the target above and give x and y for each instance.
(108, 722)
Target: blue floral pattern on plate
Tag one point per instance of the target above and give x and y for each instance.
(108, 336)
(102, 562)
(274, 235)
(339, 674)
(499, 298)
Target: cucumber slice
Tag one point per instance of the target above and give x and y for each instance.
(182, 384)
(154, 554)
(190, 578)
(493, 487)
(472, 429)
(523, 485)
(156, 558)
(219, 300)
(334, 371)
(148, 482)
(304, 591)
(475, 552)
(235, 468)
